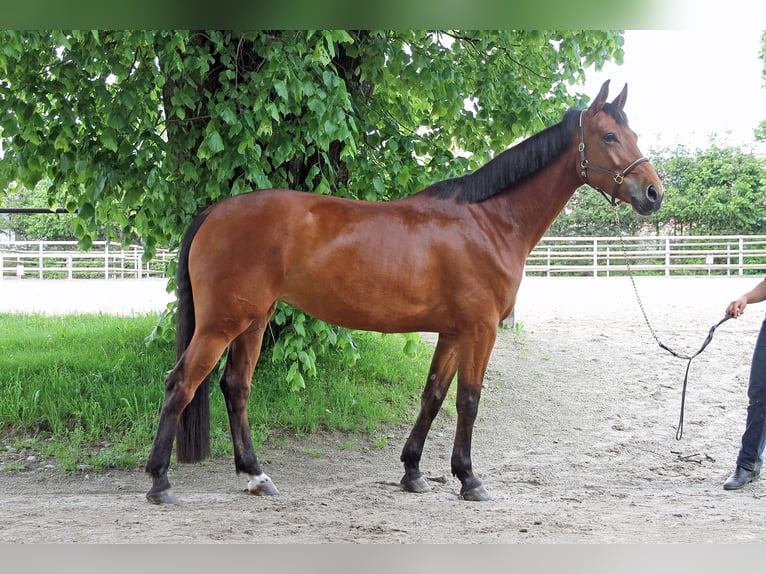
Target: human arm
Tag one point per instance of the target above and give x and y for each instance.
(755, 295)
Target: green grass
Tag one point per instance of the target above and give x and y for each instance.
(86, 390)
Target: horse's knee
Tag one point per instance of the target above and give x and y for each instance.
(235, 390)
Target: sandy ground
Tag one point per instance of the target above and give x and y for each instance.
(575, 439)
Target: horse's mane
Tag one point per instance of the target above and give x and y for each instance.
(517, 162)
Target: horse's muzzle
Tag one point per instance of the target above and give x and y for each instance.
(647, 201)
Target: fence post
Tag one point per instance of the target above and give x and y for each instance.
(40, 260)
(595, 257)
(728, 259)
(548, 261)
(608, 260)
(667, 256)
(741, 255)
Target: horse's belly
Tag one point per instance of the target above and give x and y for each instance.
(376, 309)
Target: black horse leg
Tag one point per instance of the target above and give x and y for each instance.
(235, 384)
(440, 375)
(474, 356)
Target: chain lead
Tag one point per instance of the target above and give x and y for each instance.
(688, 358)
(616, 210)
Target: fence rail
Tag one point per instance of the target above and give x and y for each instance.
(663, 255)
(594, 256)
(62, 260)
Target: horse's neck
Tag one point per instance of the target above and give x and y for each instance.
(530, 208)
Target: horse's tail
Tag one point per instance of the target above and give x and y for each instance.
(193, 434)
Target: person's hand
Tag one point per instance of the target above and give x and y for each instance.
(737, 307)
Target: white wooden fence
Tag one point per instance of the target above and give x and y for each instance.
(594, 256)
(62, 260)
(663, 255)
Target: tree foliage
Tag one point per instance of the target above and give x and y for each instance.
(760, 131)
(714, 191)
(144, 129)
(588, 214)
(47, 227)
(719, 190)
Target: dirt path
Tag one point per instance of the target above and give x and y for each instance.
(575, 439)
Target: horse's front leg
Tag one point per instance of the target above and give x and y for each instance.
(474, 355)
(440, 375)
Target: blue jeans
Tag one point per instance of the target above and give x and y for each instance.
(754, 438)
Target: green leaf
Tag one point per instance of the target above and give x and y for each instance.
(214, 142)
(229, 116)
(116, 121)
(411, 346)
(295, 379)
(211, 145)
(109, 140)
(281, 89)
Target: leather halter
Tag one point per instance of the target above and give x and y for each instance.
(585, 165)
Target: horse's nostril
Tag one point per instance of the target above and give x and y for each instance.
(652, 194)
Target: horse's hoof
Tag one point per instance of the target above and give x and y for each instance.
(477, 494)
(161, 497)
(419, 485)
(261, 485)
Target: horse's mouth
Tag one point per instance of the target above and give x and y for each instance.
(645, 205)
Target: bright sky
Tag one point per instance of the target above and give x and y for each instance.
(684, 85)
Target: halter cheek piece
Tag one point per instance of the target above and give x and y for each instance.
(585, 165)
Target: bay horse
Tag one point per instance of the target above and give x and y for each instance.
(448, 259)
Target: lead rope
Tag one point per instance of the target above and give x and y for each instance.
(688, 358)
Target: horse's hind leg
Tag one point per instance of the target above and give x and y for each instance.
(180, 385)
(235, 384)
(440, 375)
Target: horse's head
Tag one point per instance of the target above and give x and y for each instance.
(610, 160)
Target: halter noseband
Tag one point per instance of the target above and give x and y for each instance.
(585, 165)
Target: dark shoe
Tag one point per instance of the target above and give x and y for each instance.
(740, 477)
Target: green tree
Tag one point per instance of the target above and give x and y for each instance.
(144, 129)
(45, 226)
(588, 215)
(713, 191)
(48, 227)
(719, 190)
(760, 131)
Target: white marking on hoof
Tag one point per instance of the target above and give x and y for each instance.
(262, 485)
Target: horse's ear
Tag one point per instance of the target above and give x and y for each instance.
(600, 100)
(619, 101)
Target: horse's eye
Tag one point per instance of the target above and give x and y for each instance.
(610, 138)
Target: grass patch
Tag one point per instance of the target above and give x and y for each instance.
(86, 390)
